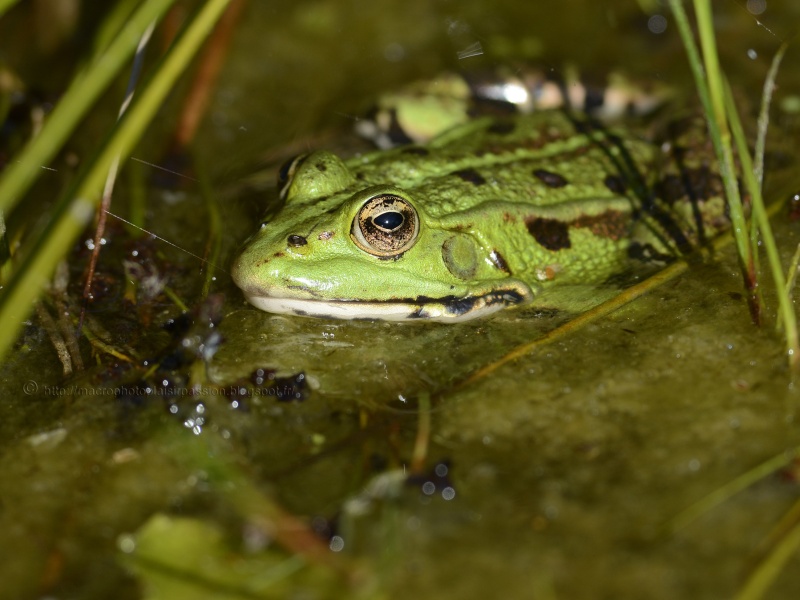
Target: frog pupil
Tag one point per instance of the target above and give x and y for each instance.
(389, 220)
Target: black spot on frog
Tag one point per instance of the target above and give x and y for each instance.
(471, 176)
(550, 179)
(551, 234)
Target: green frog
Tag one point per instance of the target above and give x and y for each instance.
(485, 216)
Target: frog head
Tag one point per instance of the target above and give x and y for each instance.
(343, 249)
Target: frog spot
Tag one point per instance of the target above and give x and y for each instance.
(470, 176)
(611, 224)
(416, 151)
(551, 234)
(502, 127)
(550, 179)
(615, 184)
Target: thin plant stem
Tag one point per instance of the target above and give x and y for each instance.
(716, 88)
(787, 316)
(108, 190)
(214, 245)
(704, 77)
(730, 489)
(767, 572)
(791, 274)
(761, 139)
(209, 68)
(5, 5)
(763, 114)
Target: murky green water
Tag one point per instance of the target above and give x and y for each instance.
(552, 476)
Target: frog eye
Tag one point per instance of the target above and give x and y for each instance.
(386, 226)
(287, 171)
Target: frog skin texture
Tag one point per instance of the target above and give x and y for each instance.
(483, 217)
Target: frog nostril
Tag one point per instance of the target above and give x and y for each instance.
(297, 241)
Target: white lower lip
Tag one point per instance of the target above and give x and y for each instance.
(384, 311)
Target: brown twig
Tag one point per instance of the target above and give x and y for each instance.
(210, 65)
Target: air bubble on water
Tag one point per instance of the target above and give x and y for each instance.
(337, 543)
(657, 24)
(756, 7)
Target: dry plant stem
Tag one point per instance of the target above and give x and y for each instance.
(49, 325)
(108, 189)
(210, 65)
(65, 325)
(101, 346)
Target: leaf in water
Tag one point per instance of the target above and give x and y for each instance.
(181, 558)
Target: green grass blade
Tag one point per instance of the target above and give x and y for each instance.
(701, 80)
(759, 581)
(791, 278)
(720, 495)
(710, 88)
(763, 113)
(112, 25)
(215, 229)
(768, 240)
(761, 138)
(74, 105)
(695, 63)
(5, 252)
(716, 88)
(73, 213)
(708, 45)
(5, 5)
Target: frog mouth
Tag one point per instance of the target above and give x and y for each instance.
(449, 309)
